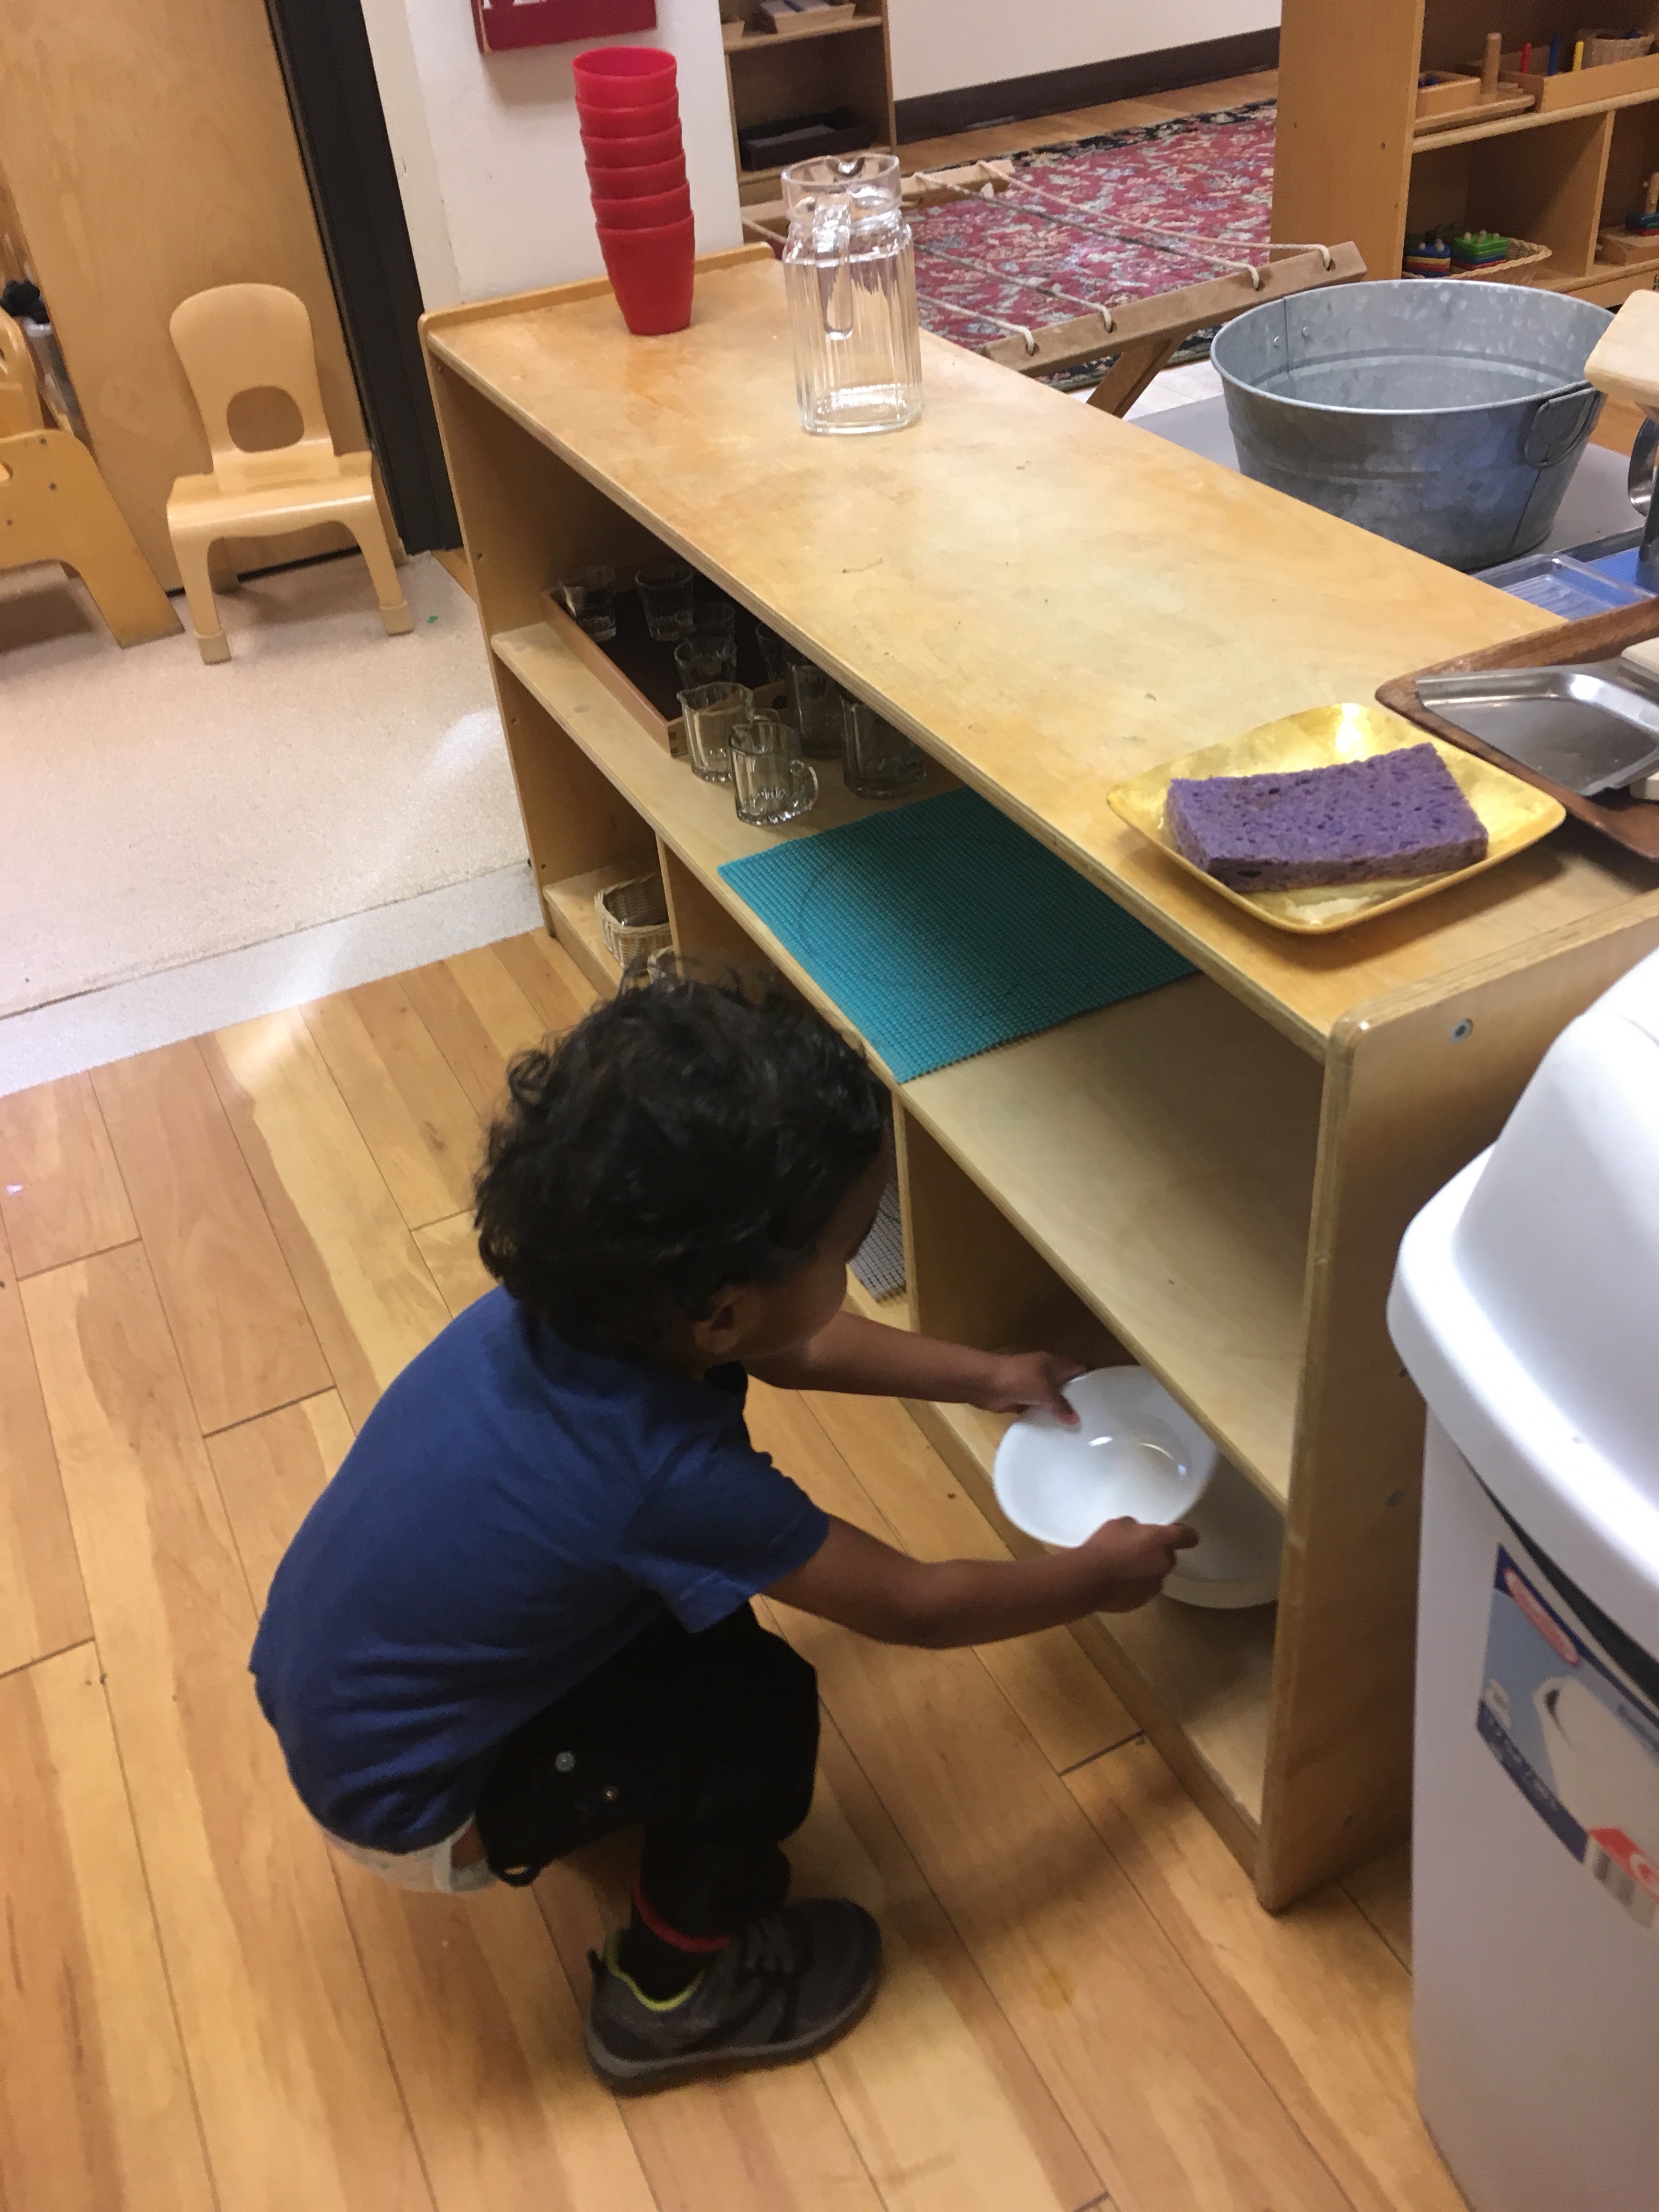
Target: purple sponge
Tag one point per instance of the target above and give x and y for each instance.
(1396, 814)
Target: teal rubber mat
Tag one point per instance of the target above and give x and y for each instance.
(942, 930)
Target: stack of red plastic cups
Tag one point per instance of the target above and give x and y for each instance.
(629, 108)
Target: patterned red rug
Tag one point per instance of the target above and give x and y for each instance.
(1096, 221)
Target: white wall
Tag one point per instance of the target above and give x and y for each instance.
(488, 152)
(940, 45)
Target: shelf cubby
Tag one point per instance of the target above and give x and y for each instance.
(1199, 1682)
(1500, 183)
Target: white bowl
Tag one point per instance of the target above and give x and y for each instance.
(1134, 1452)
(1234, 1562)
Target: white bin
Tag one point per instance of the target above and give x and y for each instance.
(1526, 1306)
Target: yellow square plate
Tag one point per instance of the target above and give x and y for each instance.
(1514, 813)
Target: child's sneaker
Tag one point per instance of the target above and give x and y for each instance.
(786, 1985)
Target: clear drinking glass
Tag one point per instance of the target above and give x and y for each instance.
(591, 596)
(877, 761)
(705, 656)
(814, 709)
(773, 651)
(849, 277)
(665, 589)
(710, 711)
(714, 614)
(772, 782)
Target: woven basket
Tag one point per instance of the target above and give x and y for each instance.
(634, 919)
(1524, 256)
(1602, 47)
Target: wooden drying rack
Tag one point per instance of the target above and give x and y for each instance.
(1142, 336)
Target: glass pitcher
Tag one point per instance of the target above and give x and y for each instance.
(850, 275)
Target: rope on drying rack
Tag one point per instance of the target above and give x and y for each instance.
(1026, 283)
(940, 180)
(980, 315)
(1071, 221)
(1207, 248)
(1047, 213)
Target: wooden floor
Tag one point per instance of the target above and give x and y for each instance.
(216, 1255)
(1087, 121)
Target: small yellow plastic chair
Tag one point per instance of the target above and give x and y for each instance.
(246, 337)
(20, 392)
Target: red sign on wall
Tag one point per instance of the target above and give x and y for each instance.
(505, 26)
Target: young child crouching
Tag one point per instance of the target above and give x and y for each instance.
(517, 1617)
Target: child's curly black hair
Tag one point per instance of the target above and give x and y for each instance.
(685, 1137)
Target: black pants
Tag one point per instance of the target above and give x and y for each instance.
(708, 1742)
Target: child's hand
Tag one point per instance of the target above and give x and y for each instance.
(1019, 1380)
(1131, 1559)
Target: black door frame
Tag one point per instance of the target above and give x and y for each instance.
(329, 67)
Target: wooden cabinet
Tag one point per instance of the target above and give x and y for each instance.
(1212, 1179)
(1349, 162)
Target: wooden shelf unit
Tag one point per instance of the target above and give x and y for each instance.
(1349, 163)
(1212, 1179)
(845, 62)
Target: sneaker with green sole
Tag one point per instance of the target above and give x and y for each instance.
(784, 1986)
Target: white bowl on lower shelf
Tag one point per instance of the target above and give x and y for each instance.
(1134, 1451)
(1235, 1563)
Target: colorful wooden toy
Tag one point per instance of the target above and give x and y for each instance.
(1429, 256)
(1475, 249)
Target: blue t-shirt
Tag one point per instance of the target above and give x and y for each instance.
(513, 1512)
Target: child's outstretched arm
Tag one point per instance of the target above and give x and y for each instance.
(854, 1354)
(866, 1585)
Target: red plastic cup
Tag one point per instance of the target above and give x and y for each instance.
(627, 122)
(624, 76)
(652, 273)
(636, 184)
(649, 214)
(634, 153)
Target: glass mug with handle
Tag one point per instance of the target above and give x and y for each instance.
(772, 784)
(877, 761)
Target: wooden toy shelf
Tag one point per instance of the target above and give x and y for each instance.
(1212, 1179)
(843, 62)
(1349, 163)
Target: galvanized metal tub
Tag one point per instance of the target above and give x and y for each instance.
(1448, 416)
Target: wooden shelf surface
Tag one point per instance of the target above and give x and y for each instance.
(1047, 599)
(1209, 1673)
(1159, 1153)
(1504, 126)
(778, 41)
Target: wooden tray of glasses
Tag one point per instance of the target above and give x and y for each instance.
(1632, 823)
